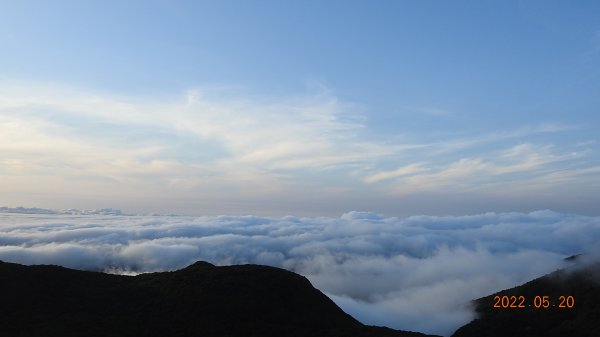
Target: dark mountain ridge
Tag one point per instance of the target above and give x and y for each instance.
(200, 300)
(579, 316)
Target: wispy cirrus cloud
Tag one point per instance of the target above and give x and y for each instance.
(399, 172)
(68, 133)
(510, 166)
(315, 128)
(209, 144)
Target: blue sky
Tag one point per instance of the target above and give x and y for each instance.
(300, 107)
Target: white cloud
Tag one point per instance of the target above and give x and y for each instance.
(78, 137)
(508, 168)
(391, 271)
(62, 146)
(401, 171)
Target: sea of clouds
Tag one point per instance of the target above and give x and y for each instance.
(416, 273)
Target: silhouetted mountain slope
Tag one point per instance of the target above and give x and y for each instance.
(200, 300)
(583, 320)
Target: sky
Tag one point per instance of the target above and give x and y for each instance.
(415, 273)
(305, 108)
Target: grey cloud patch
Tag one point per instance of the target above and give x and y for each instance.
(383, 270)
(71, 211)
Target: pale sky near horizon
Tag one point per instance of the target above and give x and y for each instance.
(300, 107)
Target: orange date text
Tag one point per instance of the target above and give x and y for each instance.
(537, 302)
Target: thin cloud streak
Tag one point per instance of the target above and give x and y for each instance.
(510, 167)
(401, 171)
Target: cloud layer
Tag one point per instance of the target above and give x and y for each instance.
(386, 271)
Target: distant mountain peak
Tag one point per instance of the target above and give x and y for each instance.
(200, 265)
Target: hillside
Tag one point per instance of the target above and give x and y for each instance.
(581, 320)
(200, 300)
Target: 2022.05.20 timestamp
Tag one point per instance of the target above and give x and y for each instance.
(538, 302)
